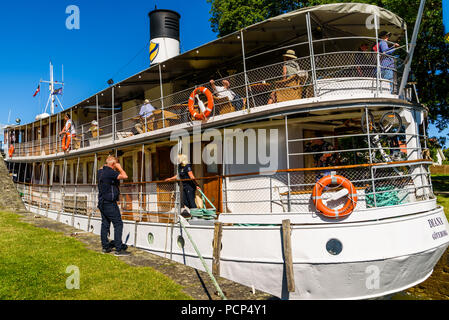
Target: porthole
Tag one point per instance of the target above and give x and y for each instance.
(150, 238)
(334, 247)
(181, 242)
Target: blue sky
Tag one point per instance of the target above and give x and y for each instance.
(111, 34)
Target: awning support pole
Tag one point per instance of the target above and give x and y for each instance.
(244, 70)
(312, 54)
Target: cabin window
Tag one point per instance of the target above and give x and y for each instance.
(128, 167)
(80, 177)
(37, 173)
(56, 175)
(90, 172)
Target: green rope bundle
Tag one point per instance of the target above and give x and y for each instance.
(384, 197)
(206, 214)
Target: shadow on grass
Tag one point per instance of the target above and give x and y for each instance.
(440, 183)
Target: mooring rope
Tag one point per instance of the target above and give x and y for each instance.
(214, 281)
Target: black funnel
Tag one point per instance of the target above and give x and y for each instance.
(164, 24)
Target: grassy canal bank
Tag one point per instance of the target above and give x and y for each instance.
(35, 261)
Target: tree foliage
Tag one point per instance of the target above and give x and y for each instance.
(430, 64)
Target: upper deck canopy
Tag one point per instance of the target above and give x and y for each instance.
(209, 60)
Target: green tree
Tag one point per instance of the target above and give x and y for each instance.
(430, 64)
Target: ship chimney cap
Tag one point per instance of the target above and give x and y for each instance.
(163, 10)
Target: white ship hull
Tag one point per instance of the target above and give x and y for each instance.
(378, 258)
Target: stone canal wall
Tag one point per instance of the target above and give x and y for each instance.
(9, 198)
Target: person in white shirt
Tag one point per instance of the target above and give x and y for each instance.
(224, 91)
(145, 112)
(69, 128)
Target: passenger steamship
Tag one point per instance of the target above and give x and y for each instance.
(318, 180)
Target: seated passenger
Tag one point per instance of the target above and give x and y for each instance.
(145, 112)
(289, 69)
(93, 129)
(224, 91)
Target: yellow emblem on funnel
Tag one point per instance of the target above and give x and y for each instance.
(154, 50)
(446, 37)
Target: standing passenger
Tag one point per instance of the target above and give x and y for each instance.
(108, 195)
(69, 131)
(387, 62)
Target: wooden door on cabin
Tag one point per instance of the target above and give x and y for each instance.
(163, 168)
(141, 187)
(127, 189)
(212, 186)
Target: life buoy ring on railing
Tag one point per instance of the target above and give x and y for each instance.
(349, 206)
(66, 141)
(11, 151)
(203, 114)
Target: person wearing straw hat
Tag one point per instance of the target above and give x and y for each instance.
(289, 69)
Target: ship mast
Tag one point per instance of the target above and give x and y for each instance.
(53, 96)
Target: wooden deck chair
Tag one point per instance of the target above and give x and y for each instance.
(223, 105)
(289, 89)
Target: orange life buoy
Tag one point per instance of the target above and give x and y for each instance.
(66, 141)
(11, 151)
(349, 206)
(210, 104)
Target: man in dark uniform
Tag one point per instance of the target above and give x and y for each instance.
(108, 195)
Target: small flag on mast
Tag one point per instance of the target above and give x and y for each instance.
(57, 91)
(37, 90)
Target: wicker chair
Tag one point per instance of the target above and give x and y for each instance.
(290, 88)
(223, 105)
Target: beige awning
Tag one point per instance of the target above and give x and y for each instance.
(208, 61)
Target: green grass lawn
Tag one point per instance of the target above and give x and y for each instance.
(33, 263)
(441, 183)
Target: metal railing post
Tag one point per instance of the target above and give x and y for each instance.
(113, 117)
(162, 98)
(312, 54)
(245, 71)
(370, 155)
(98, 119)
(378, 73)
(288, 165)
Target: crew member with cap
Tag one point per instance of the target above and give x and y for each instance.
(145, 112)
(108, 194)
